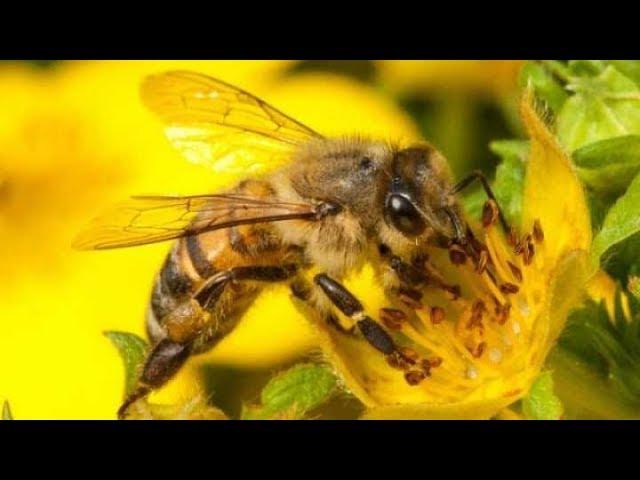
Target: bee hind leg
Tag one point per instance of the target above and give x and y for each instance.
(164, 361)
(185, 323)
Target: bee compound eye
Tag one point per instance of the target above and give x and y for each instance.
(403, 215)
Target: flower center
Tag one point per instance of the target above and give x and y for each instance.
(480, 323)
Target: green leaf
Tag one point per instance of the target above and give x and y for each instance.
(621, 222)
(586, 67)
(6, 411)
(132, 350)
(509, 181)
(608, 166)
(293, 393)
(583, 392)
(604, 106)
(609, 347)
(541, 403)
(546, 87)
(629, 68)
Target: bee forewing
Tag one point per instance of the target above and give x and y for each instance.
(214, 123)
(144, 220)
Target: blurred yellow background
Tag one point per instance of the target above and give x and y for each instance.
(74, 138)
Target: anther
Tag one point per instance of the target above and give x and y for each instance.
(490, 213)
(392, 318)
(509, 288)
(519, 247)
(538, 234)
(529, 250)
(478, 350)
(454, 290)
(409, 354)
(502, 313)
(437, 315)
(482, 262)
(457, 255)
(517, 273)
(477, 311)
(435, 361)
(411, 298)
(426, 367)
(414, 377)
(512, 237)
(397, 361)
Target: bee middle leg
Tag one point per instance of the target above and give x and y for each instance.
(349, 305)
(187, 322)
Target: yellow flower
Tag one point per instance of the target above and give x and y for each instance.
(490, 344)
(478, 77)
(73, 141)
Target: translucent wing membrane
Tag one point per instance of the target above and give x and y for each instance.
(150, 219)
(222, 126)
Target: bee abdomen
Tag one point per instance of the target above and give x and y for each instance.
(172, 286)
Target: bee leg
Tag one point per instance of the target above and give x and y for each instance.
(478, 175)
(185, 323)
(161, 364)
(344, 300)
(301, 290)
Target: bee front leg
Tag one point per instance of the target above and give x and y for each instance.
(488, 212)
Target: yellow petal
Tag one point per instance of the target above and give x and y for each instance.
(552, 192)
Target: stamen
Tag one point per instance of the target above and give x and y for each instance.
(502, 313)
(437, 315)
(482, 262)
(457, 255)
(517, 273)
(509, 288)
(397, 361)
(426, 366)
(512, 237)
(411, 298)
(538, 234)
(435, 361)
(529, 250)
(477, 310)
(414, 377)
(519, 247)
(454, 290)
(477, 350)
(392, 318)
(409, 354)
(490, 213)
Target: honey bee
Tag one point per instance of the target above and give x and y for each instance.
(310, 202)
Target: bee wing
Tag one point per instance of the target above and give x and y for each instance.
(214, 123)
(150, 219)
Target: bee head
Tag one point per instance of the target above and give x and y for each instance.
(418, 194)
